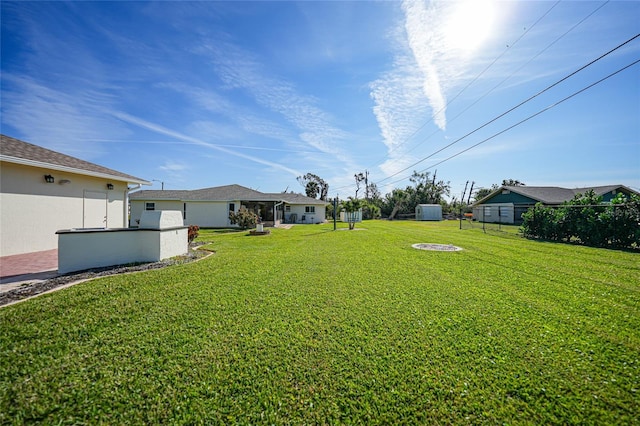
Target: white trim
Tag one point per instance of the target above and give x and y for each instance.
(40, 164)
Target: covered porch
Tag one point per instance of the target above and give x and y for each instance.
(269, 212)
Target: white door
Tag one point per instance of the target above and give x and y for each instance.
(95, 210)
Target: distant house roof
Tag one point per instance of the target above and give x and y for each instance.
(552, 194)
(292, 198)
(13, 150)
(222, 193)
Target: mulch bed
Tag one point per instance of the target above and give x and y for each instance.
(33, 289)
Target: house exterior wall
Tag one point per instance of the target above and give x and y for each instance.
(205, 214)
(215, 214)
(494, 213)
(299, 210)
(510, 197)
(31, 210)
(210, 214)
(138, 207)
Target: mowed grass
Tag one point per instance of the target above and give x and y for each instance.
(311, 326)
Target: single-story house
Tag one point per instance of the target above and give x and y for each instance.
(43, 191)
(507, 203)
(210, 207)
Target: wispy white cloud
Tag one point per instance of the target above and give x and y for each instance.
(239, 70)
(243, 119)
(58, 119)
(199, 142)
(425, 38)
(413, 92)
(173, 166)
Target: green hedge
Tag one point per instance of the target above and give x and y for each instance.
(586, 220)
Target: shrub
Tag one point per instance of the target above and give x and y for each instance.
(193, 233)
(244, 218)
(586, 220)
(370, 211)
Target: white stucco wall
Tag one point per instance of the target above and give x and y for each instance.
(117, 247)
(31, 210)
(299, 210)
(205, 214)
(215, 214)
(138, 207)
(210, 214)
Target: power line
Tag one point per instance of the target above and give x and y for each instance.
(528, 118)
(514, 72)
(493, 88)
(513, 108)
(509, 46)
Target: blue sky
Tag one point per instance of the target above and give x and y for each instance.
(200, 94)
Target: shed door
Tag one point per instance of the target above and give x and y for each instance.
(95, 210)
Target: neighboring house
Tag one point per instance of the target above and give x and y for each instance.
(507, 203)
(43, 191)
(210, 207)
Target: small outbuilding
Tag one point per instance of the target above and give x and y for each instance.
(428, 212)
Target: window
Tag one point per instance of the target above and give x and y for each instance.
(149, 206)
(309, 209)
(232, 207)
(287, 208)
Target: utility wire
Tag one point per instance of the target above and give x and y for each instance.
(527, 119)
(493, 88)
(468, 85)
(513, 108)
(513, 73)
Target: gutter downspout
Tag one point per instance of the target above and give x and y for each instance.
(126, 203)
(275, 214)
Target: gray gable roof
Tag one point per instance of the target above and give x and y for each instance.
(292, 198)
(222, 193)
(14, 150)
(553, 194)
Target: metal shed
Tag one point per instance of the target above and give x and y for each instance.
(428, 212)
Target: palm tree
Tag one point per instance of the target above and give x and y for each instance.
(351, 207)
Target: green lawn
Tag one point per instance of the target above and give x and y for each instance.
(311, 326)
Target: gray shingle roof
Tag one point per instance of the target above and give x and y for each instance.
(297, 199)
(222, 193)
(14, 150)
(552, 194)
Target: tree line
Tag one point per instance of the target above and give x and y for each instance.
(425, 188)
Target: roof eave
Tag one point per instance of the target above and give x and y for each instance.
(33, 163)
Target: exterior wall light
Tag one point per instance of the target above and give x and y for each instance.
(49, 178)
(109, 186)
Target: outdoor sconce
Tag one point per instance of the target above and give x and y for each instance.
(49, 178)
(109, 186)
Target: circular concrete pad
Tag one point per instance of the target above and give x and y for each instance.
(435, 247)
